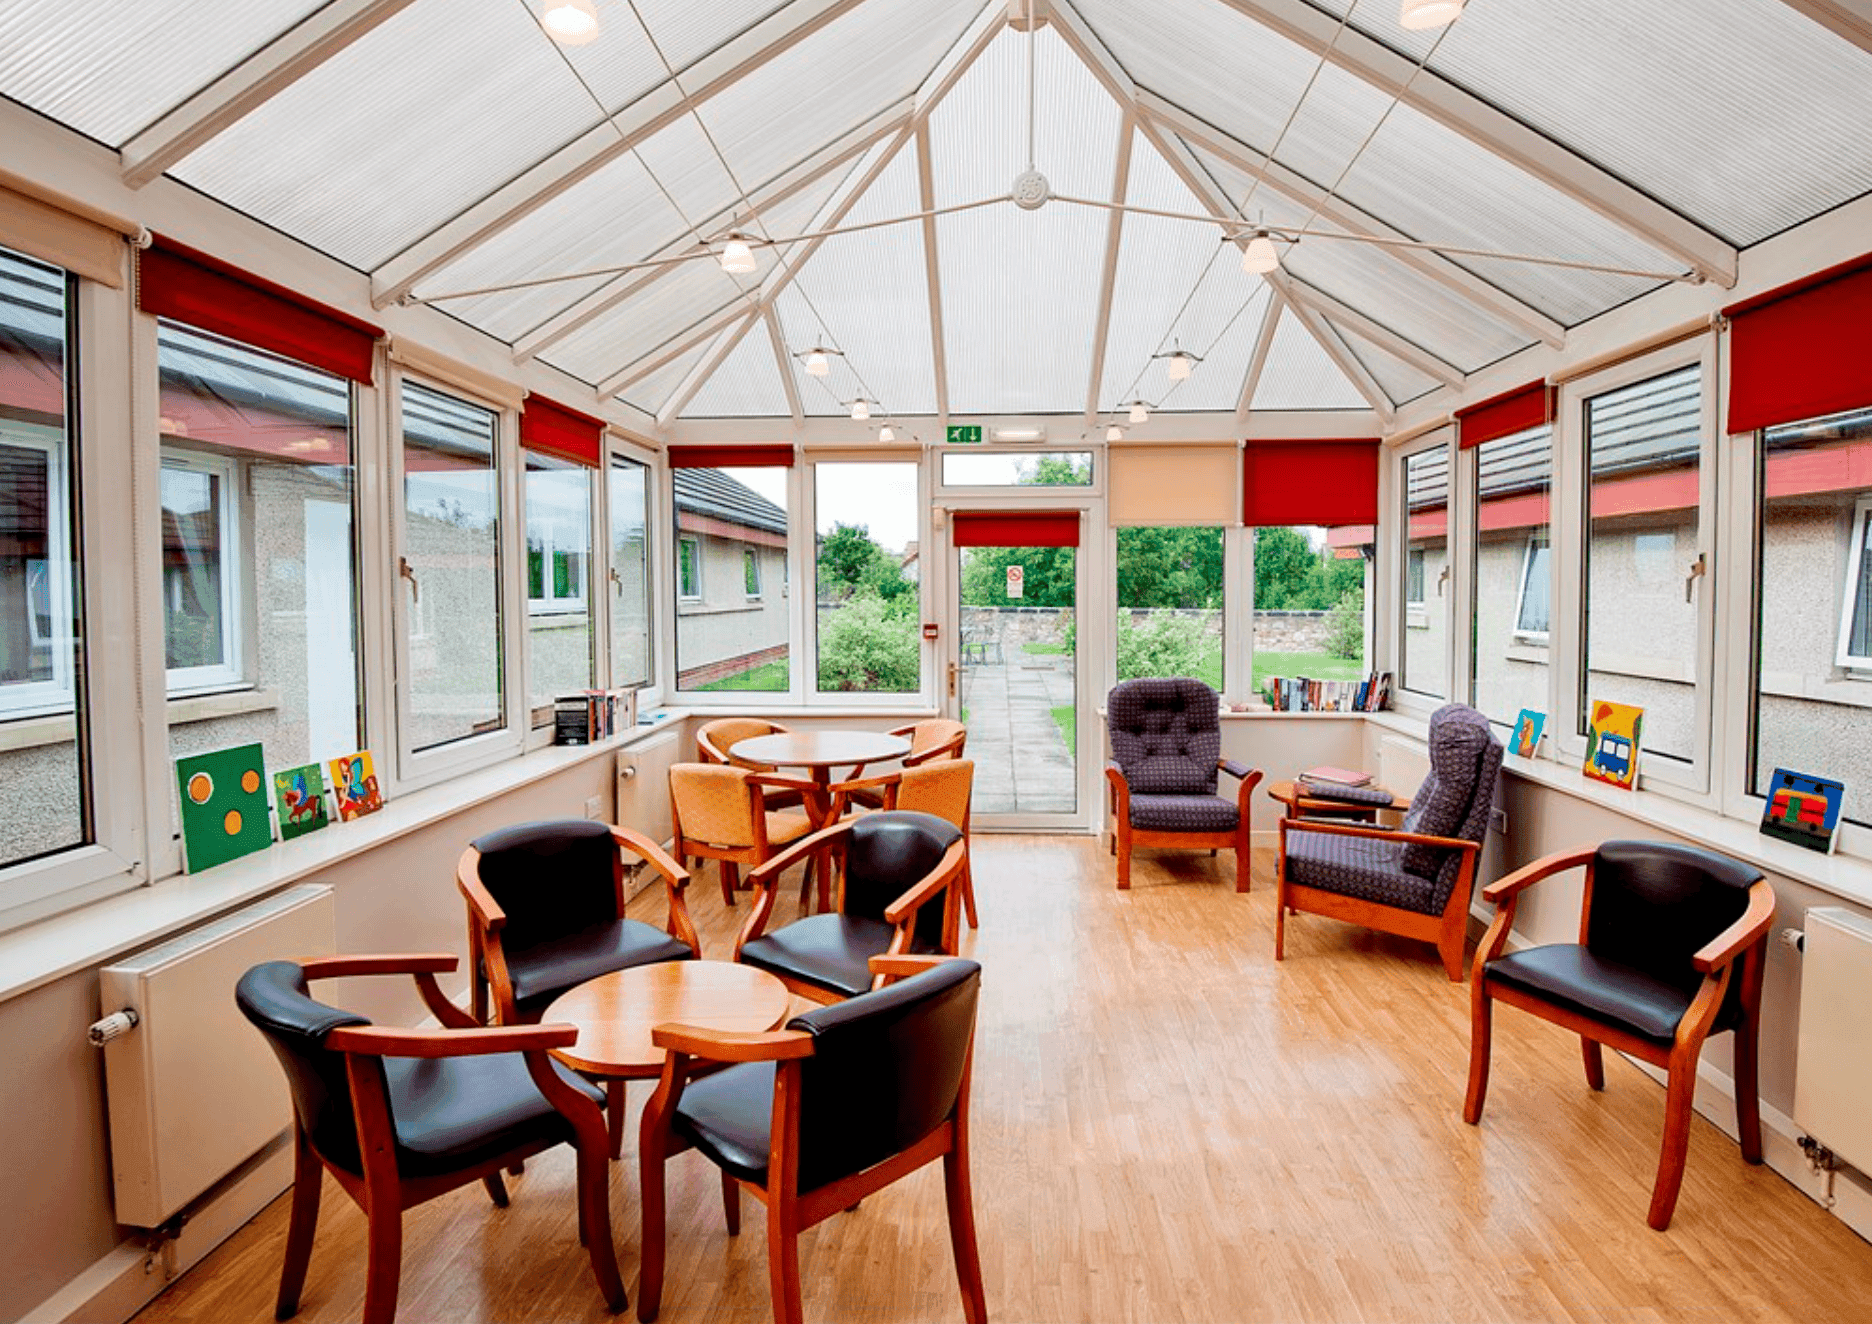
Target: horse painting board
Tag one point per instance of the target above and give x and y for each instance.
(300, 795)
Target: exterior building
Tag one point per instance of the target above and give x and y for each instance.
(732, 584)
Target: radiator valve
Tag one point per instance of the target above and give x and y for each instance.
(113, 1026)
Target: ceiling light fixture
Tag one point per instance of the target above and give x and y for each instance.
(1420, 14)
(1115, 432)
(1019, 434)
(1260, 256)
(818, 359)
(860, 409)
(570, 22)
(1178, 363)
(1140, 411)
(887, 433)
(737, 259)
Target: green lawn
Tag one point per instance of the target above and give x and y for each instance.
(1314, 666)
(1069, 731)
(1044, 650)
(766, 676)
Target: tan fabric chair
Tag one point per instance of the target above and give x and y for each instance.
(714, 740)
(943, 787)
(722, 813)
(931, 740)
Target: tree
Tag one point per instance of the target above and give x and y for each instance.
(1287, 571)
(869, 644)
(1048, 576)
(1057, 471)
(847, 558)
(1170, 567)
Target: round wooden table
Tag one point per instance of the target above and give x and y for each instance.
(615, 1014)
(1296, 805)
(819, 752)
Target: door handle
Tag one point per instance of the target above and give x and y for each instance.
(1697, 570)
(403, 569)
(1441, 579)
(952, 680)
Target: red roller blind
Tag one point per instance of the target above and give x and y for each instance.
(185, 285)
(1505, 414)
(730, 457)
(1800, 351)
(1015, 528)
(552, 429)
(1310, 482)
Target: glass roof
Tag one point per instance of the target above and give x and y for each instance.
(747, 385)
(1299, 375)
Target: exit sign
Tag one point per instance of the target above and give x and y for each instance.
(965, 434)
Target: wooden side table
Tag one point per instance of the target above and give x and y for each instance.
(1296, 804)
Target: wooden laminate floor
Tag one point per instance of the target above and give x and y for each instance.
(1169, 1126)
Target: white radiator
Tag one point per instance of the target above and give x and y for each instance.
(1833, 1076)
(643, 802)
(194, 1090)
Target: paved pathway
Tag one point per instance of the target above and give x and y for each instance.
(1021, 762)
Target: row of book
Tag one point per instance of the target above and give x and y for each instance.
(1298, 694)
(591, 715)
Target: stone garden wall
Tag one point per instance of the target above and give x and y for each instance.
(1275, 631)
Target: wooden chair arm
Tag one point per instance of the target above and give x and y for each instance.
(399, 963)
(904, 965)
(451, 1016)
(945, 873)
(1529, 874)
(780, 781)
(948, 749)
(674, 875)
(1741, 935)
(885, 784)
(396, 1041)
(1373, 830)
(765, 874)
(488, 912)
(732, 1045)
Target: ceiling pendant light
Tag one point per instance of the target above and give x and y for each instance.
(1260, 256)
(737, 259)
(1115, 432)
(1140, 411)
(1420, 14)
(570, 22)
(887, 433)
(860, 409)
(818, 359)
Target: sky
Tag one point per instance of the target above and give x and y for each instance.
(881, 496)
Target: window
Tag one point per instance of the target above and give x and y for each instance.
(1423, 653)
(259, 568)
(451, 570)
(630, 573)
(1813, 684)
(44, 804)
(1309, 603)
(559, 554)
(1641, 639)
(1014, 469)
(1511, 589)
(867, 576)
(727, 639)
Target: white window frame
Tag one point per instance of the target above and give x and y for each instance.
(1856, 551)
(1416, 615)
(929, 650)
(41, 698)
(550, 603)
(1535, 542)
(230, 672)
(689, 567)
(939, 455)
(650, 691)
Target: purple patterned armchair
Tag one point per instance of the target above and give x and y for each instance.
(1166, 743)
(1413, 880)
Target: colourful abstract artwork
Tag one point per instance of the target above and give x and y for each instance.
(224, 806)
(1527, 732)
(1804, 809)
(300, 795)
(1612, 740)
(354, 786)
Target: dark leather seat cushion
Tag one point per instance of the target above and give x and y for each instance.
(729, 1117)
(831, 951)
(451, 1113)
(1607, 991)
(1365, 867)
(543, 971)
(1183, 813)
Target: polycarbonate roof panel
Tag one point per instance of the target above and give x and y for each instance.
(652, 392)
(109, 70)
(834, 80)
(1422, 179)
(1299, 375)
(402, 130)
(1735, 112)
(685, 31)
(1398, 379)
(746, 385)
(870, 290)
(1020, 289)
(648, 320)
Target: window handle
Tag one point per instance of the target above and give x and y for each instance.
(617, 582)
(403, 569)
(1441, 579)
(1697, 570)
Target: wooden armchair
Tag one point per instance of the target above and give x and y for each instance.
(1166, 742)
(944, 788)
(722, 813)
(715, 740)
(1672, 944)
(1413, 880)
(814, 1117)
(401, 1116)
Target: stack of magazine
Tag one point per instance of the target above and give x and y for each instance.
(1298, 694)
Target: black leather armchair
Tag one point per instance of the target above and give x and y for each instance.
(546, 912)
(897, 873)
(812, 1118)
(1672, 944)
(400, 1116)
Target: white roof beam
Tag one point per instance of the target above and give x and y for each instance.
(1490, 127)
(1108, 279)
(1384, 337)
(1163, 115)
(251, 84)
(1851, 19)
(626, 286)
(932, 271)
(1089, 47)
(604, 142)
(671, 409)
(671, 350)
(1257, 361)
(783, 359)
(1336, 349)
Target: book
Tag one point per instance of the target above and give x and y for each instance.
(1613, 740)
(300, 795)
(1527, 732)
(224, 806)
(354, 786)
(1336, 776)
(1804, 810)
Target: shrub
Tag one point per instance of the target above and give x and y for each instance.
(869, 644)
(1345, 626)
(1166, 646)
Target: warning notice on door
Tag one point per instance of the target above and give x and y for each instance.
(1017, 581)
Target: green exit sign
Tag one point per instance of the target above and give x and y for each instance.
(965, 434)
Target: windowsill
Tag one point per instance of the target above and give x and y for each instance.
(558, 620)
(90, 934)
(61, 729)
(1523, 652)
(704, 609)
(1855, 693)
